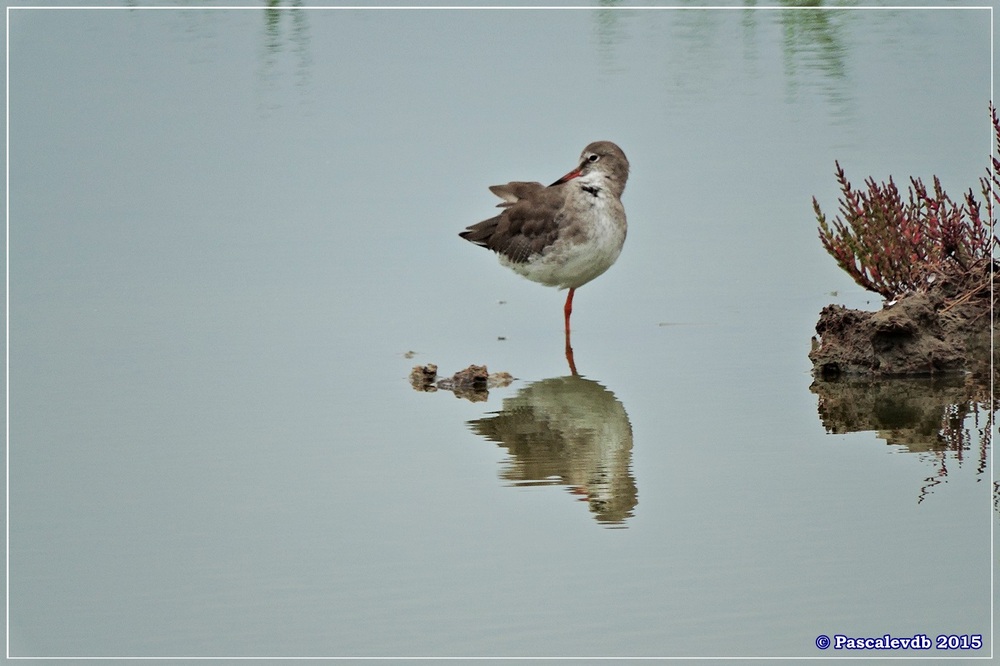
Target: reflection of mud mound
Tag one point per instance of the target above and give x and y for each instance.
(924, 416)
(568, 431)
(908, 412)
(922, 334)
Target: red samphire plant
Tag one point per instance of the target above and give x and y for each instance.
(892, 246)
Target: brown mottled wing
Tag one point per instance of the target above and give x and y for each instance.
(529, 223)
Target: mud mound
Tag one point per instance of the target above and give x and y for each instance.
(925, 333)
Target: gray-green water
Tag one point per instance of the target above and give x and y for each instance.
(228, 228)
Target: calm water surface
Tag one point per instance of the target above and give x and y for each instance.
(234, 232)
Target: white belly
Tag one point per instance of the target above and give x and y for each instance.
(582, 251)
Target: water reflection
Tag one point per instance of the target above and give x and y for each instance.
(572, 432)
(928, 417)
(285, 31)
(813, 47)
(696, 44)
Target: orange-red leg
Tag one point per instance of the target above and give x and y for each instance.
(567, 311)
(568, 308)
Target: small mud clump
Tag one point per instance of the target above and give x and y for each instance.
(472, 383)
(925, 333)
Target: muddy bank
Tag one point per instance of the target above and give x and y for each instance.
(943, 330)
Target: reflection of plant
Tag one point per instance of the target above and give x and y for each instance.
(946, 422)
(955, 442)
(891, 246)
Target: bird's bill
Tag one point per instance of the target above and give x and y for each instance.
(575, 173)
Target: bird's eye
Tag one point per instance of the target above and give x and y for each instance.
(594, 158)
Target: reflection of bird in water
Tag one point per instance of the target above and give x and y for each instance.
(568, 431)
